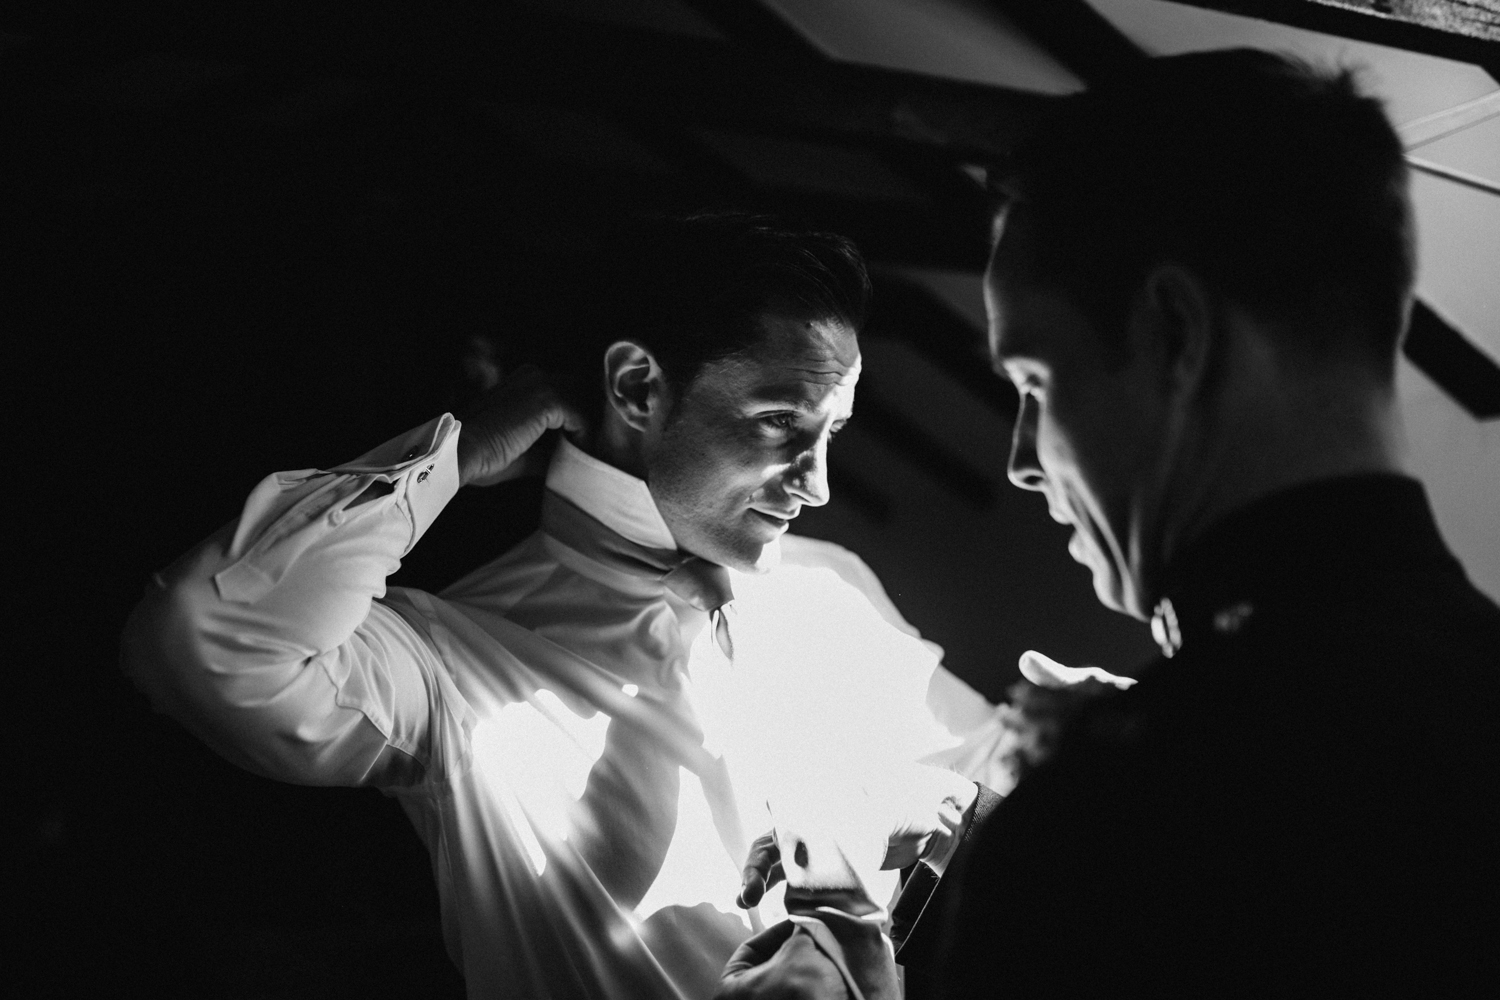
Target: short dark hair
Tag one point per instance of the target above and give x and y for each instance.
(1281, 185)
(694, 290)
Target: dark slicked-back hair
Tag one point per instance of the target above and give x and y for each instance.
(693, 290)
(1282, 186)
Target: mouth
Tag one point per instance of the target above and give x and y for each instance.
(778, 522)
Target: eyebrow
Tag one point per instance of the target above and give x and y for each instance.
(791, 400)
(782, 395)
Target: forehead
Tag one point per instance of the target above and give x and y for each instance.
(796, 361)
(1031, 320)
(1008, 296)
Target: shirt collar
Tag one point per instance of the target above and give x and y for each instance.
(611, 496)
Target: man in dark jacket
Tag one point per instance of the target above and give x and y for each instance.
(1199, 286)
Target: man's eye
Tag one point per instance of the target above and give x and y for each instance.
(780, 422)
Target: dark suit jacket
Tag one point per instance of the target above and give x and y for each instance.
(1301, 801)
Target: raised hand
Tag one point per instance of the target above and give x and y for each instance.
(502, 424)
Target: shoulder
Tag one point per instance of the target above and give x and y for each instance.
(816, 553)
(799, 550)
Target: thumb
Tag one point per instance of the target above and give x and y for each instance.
(1044, 671)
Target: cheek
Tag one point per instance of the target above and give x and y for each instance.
(1085, 454)
(702, 473)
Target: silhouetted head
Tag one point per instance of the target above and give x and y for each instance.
(1189, 264)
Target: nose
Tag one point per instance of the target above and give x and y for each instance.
(807, 477)
(1024, 469)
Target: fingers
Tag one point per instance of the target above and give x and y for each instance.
(757, 882)
(528, 393)
(762, 870)
(758, 948)
(865, 950)
(783, 962)
(557, 413)
(1043, 671)
(502, 425)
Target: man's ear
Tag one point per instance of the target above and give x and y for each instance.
(1173, 319)
(635, 387)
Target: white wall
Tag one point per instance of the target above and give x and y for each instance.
(1458, 459)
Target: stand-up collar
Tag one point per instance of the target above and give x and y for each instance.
(619, 500)
(1295, 542)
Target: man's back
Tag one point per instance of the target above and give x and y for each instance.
(1301, 801)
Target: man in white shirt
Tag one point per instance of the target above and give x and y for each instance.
(586, 731)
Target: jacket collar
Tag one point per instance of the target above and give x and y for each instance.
(1292, 544)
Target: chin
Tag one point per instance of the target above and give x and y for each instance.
(755, 558)
(767, 559)
(744, 555)
(1108, 592)
(1108, 586)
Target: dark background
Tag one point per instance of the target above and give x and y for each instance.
(252, 239)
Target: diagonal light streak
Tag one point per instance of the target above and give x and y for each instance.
(1431, 128)
(1456, 176)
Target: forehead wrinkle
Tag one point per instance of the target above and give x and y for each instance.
(835, 375)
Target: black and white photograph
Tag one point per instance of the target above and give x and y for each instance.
(752, 499)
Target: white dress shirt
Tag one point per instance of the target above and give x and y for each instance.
(582, 761)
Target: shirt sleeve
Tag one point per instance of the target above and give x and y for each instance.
(269, 640)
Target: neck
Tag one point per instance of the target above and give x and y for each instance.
(616, 444)
(1267, 436)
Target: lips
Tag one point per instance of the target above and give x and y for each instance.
(778, 521)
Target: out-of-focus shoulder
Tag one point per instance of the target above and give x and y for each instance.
(816, 553)
(799, 550)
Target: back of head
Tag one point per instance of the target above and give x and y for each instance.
(1281, 186)
(694, 289)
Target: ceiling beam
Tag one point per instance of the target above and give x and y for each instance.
(924, 450)
(1465, 30)
(649, 80)
(1447, 173)
(754, 25)
(1450, 121)
(1075, 34)
(906, 311)
(1465, 372)
(688, 81)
